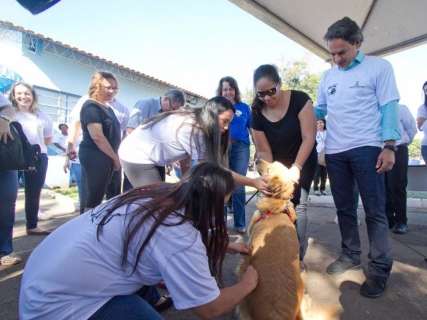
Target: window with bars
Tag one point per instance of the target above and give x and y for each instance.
(56, 104)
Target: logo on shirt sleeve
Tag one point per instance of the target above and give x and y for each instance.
(332, 90)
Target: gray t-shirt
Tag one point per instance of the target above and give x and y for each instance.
(144, 109)
(71, 274)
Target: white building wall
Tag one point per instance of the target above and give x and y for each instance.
(62, 69)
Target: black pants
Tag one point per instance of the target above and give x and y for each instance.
(320, 176)
(34, 181)
(396, 181)
(97, 168)
(114, 188)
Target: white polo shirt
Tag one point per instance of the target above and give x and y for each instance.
(353, 98)
(171, 139)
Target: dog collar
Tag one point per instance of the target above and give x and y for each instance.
(264, 215)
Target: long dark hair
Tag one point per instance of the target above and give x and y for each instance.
(206, 120)
(233, 83)
(425, 94)
(198, 198)
(264, 71)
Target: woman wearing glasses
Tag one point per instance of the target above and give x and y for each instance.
(284, 129)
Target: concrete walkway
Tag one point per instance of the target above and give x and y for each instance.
(405, 297)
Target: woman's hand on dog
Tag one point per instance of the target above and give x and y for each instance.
(262, 185)
(238, 247)
(250, 278)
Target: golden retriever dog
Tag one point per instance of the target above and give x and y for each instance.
(274, 252)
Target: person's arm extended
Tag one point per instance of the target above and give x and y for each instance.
(308, 133)
(229, 297)
(95, 131)
(262, 146)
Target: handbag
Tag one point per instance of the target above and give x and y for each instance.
(18, 153)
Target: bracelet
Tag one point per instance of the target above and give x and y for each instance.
(5, 118)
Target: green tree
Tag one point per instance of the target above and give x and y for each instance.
(414, 149)
(295, 75)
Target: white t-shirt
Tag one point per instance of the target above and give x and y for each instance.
(320, 140)
(71, 274)
(353, 98)
(422, 113)
(60, 139)
(37, 126)
(165, 142)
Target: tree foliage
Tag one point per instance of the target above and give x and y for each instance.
(414, 149)
(296, 76)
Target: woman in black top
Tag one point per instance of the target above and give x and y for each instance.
(284, 129)
(101, 138)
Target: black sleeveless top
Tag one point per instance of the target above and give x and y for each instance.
(284, 136)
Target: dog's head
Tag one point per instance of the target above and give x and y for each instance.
(281, 188)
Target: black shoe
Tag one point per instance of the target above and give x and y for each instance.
(373, 287)
(400, 228)
(341, 265)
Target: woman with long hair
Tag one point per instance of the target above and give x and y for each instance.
(37, 127)
(284, 129)
(198, 134)
(171, 232)
(239, 145)
(101, 138)
(421, 123)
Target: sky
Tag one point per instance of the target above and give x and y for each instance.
(189, 43)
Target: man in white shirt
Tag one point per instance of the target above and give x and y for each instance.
(397, 178)
(360, 97)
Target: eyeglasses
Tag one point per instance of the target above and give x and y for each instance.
(270, 92)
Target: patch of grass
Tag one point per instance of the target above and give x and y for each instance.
(69, 192)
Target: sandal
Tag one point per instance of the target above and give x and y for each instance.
(164, 303)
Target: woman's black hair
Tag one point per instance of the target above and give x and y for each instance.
(233, 83)
(264, 71)
(324, 123)
(198, 198)
(206, 120)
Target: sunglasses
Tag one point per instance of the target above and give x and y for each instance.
(262, 94)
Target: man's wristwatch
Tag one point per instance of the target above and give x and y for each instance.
(391, 147)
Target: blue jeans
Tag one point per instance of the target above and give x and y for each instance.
(424, 153)
(130, 307)
(8, 193)
(76, 175)
(344, 169)
(34, 182)
(239, 161)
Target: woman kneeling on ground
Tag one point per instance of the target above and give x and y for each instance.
(101, 259)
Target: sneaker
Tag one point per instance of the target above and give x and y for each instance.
(10, 260)
(400, 228)
(324, 193)
(37, 232)
(373, 287)
(42, 216)
(164, 303)
(342, 264)
(317, 193)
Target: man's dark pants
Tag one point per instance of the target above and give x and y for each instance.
(396, 182)
(344, 169)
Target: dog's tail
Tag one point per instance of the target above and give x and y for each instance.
(311, 311)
